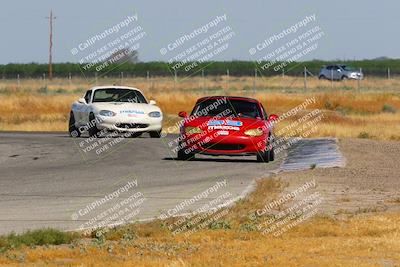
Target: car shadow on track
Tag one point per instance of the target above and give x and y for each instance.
(213, 160)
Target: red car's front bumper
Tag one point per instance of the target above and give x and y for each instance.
(234, 145)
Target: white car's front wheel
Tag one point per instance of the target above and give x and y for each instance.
(93, 130)
(155, 134)
(72, 129)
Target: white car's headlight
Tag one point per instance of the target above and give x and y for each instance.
(155, 114)
(107, 113)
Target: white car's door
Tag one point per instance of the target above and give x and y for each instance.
(337, 73)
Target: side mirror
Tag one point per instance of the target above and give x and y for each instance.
(82, 100)
(152, 102)
(182, 114)
(273, 117)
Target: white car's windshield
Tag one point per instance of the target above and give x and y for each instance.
(349, 68)
(118, 95)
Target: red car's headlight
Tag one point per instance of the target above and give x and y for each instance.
(254, 132)
(192, 130)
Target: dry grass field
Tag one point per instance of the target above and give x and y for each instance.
(372, 241)
(351, 109)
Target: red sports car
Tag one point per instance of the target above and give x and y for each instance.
(227, 125)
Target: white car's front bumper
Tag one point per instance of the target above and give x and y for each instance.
(129, 124)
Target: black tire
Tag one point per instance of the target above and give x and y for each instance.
(344, 78)
(271, 148)
(93, 131)
(272, 155)
(322, 77)
(263, 156)
(134, 135)
(73, 131)
(268, 154)
(155, 134)
(182, 155)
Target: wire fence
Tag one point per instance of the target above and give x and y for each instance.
(203, 80)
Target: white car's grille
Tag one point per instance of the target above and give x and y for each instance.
(131, 125)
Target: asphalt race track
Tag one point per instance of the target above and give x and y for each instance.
(49, 179)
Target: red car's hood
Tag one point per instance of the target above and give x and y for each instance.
(225, 123)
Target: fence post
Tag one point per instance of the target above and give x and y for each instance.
(122, 78)
(332, 78)
(175, 79)
(305, 77)
(202, 77)
(45, 83)
(148, 79)
(254, 81)
(227, 79)
(69, 79)
(18, 80)
(359, 80)
(44, 79)
(388, 73)
(283, 73)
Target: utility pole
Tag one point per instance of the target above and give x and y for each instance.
(50, 18)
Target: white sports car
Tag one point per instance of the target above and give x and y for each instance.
(115, 108)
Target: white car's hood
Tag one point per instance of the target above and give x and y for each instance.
(126, 108)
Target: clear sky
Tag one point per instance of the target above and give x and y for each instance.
(352, 29)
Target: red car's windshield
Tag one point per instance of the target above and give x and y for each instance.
(226, 107)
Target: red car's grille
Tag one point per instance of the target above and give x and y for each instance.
(219, 146)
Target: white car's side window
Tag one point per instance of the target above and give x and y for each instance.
(88, 96)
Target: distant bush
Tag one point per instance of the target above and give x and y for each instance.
(220, 225)
(364, 135)
(388, 108)
(43, 90)
(36, 238)
(248, 227)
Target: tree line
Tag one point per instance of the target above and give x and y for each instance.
(234, 68)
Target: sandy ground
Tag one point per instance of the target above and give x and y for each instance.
(370, 182)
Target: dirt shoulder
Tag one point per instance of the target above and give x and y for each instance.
(370, 182)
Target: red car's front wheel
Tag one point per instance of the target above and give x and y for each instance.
(184, 155)
(267, 155)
